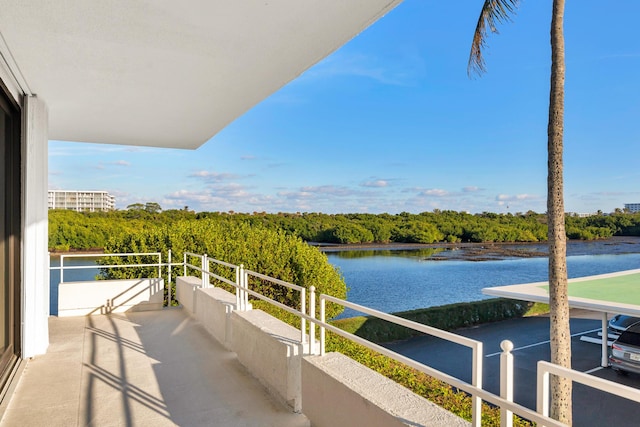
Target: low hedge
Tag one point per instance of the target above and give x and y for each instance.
(446, 317)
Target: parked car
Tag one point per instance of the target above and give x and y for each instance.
(625, 351)
(621, 322)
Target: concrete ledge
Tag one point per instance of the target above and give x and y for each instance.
(213, 309)
(359, 396)
(109, 296)
(185, 292)
(271, 350)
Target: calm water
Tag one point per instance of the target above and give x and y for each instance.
(70, 275)
(406, 281)
(392, 281)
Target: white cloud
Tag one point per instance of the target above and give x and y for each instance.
(471, 189)
(517, 197)
(379, 183)
(214, 176)
(434, 192)
(330, 190)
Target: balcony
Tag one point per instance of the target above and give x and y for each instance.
(216, 361)
(156, 368)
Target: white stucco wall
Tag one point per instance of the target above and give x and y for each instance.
(35, 260)
(186, 292)
(271, 350)
(109, 296)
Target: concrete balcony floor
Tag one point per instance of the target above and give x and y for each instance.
(157, 368)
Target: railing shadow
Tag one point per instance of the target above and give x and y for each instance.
(101, 342)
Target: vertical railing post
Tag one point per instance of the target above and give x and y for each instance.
(322, 329)
(245, 293)
(61, 268)
(542, 391)
(312, 325)
(184, 263)
(303, 321)
(476, 380)
(169, 278)
(203, 266)
(241, 287)
(159, 265)
(506, 381)
(207, 269)
(238, 287)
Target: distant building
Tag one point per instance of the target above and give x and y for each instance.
(632, 207)
(81, 201)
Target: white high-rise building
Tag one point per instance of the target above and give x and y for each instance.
(81, 201)
(632, 207)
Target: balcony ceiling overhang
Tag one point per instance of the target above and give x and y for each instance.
(167, 73)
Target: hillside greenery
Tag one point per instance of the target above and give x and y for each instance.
(69, 230)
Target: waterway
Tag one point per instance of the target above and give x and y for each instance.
(400, 280)
(406, 280)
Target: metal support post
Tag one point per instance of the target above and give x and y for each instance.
(322, 329)
(312, 325)
(169, 279)
(303, 321)
(506, 381)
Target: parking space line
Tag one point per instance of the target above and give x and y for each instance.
(590, 371)
(543, 342)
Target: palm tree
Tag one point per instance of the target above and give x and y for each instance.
(495, 12)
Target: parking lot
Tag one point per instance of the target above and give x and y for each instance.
(530, 337)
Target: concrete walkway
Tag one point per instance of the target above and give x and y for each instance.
(157, 368)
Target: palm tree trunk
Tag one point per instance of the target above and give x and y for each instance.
(558, 288)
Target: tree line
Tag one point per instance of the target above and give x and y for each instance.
(70, 230)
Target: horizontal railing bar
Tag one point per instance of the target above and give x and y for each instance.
(80, 267)
(591, 381)
(195, 267)
(274, 302)
(106, 255)
(226, 264)
(192, 254)
(274, 280)
(468, 342)
(224, 280)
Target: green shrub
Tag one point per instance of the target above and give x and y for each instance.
(269, 252)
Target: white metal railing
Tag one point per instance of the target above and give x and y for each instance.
(544, 369)
(301, 313)
(505, 401)
(241, 285)
(474, 345)
(158, 264)
(79, 267)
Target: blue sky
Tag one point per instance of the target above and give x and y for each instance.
(391, 122)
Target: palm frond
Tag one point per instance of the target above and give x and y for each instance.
(493, 12)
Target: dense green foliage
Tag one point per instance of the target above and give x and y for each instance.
(68, 229)
(274, 253)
